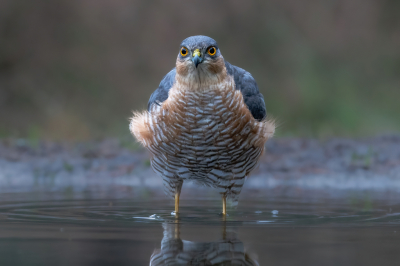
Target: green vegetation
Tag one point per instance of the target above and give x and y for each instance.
(78, 75)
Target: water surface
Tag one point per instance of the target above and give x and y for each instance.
(56, 230)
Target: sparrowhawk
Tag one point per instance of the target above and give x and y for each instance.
(205, 122)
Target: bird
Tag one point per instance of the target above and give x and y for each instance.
(206, 122)
(228, 250)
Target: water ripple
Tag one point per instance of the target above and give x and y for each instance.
(276, 213)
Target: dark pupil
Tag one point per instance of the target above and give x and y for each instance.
(183, 51)
(212, 50)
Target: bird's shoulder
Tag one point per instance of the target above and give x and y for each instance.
(247, 85)
(161, 93)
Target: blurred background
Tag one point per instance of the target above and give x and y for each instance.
(75, 70)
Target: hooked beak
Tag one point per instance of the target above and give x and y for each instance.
(197, 59)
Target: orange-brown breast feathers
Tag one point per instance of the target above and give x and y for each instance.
(185, 110)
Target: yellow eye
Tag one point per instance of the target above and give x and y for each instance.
(184, 51)
(212, 50)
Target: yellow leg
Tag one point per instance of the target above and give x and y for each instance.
(177, 230)
(223, 204)
(224, 228)
(176, 203)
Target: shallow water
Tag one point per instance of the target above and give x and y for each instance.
(261, 231)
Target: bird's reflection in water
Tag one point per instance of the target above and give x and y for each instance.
(175, 251)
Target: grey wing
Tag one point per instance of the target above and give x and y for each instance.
(248, 86)
(161, 93)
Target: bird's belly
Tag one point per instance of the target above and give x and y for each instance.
(211, 155)
(207, 140)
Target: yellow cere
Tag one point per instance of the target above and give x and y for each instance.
(196, 52)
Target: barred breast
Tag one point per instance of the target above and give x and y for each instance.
(206, 135)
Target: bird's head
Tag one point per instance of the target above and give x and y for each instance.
(200, 59)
